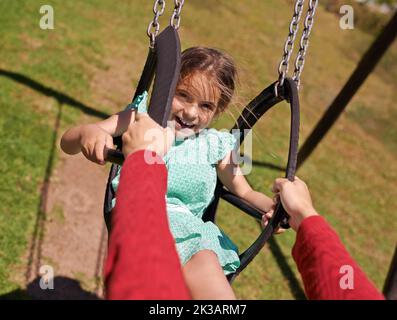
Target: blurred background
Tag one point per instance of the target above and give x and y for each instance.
(87, 68)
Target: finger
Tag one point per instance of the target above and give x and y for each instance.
(269, 215)
(88, 152)
(109, 142)
(141, 115)
(300, 182)
(99, 151)
(264, 221)
(279, 230)
(145, 118)
(126, 135)
(278, 184)
(85, 152)
(108, 145)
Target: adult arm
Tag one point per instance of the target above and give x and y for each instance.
(327, 269)
(142, 261)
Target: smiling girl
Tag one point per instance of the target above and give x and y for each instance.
(198, 156)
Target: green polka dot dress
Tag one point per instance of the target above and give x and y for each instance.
(191, 165)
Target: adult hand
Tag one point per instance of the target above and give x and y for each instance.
(296, 200)
(146, 134)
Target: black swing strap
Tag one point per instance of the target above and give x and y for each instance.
(258, 107)
(164, 61)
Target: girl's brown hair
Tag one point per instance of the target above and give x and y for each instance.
(216, 65)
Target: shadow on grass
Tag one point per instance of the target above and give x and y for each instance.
(286, 270)
(64, 289)
(60, 97)
(293, 283)
(267, 165)
(35, 251)
(263, 164)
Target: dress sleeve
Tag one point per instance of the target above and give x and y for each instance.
(220, 144)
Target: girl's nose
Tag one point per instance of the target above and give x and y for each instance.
(190, 111)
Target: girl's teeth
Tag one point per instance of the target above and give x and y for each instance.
(185, 123)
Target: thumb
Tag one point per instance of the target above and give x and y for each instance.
(141, 116)
(138, 116)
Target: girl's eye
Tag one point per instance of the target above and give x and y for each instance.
(207, 106)
(182, 94)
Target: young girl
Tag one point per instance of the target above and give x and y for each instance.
(198, 156)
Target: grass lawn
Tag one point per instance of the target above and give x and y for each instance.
(352, 174)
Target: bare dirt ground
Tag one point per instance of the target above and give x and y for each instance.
(73, 239)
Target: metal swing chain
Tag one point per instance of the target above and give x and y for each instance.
(176, 16)
(289, 43)
(304, 42)
(154, 25)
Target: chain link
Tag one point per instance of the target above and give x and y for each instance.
(289, 43)
(176, 16)
(154, 25)
(304, 42)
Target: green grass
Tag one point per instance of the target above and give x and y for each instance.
(351, 175)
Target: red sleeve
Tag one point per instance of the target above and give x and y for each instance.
(327, 269)
(142, 261)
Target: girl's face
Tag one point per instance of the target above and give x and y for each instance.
(194, 105)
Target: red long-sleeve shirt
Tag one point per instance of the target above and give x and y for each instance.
(142, 261)
(327, 269)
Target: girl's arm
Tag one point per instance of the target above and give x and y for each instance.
(232, 177)
(118, 123)
(94, 139)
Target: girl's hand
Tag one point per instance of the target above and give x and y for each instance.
(94, 143)
(268, 214)
(266, 218)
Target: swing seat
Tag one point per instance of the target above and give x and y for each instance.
(164, 62)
